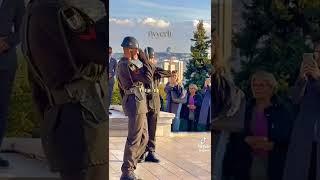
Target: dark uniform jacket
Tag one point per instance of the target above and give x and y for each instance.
(134, 103)
(154, 103)
(73, 136)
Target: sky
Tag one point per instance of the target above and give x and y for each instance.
(157, 23)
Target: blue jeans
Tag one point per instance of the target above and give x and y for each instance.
(7, 75)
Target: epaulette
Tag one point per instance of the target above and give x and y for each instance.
(74, 19)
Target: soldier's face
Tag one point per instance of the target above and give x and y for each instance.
(153, 60)
(131, 53)
(110, 52)
(134, 53)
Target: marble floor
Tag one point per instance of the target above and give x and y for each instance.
(184, 156)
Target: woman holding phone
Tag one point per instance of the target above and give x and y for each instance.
(303, 159)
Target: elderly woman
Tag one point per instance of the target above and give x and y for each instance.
(259, 151)
(191, 109)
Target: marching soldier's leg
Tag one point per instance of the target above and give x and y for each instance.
(149, 132)
(134, 142)
(144, 140)
(152, 128)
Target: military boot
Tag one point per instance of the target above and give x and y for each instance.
(142, 158)
(128, 176)
(152, 157)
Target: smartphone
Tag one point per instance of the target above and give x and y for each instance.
(308, 58)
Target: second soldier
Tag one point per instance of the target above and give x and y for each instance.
(153, 102)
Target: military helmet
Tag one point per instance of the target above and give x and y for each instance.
(149, 52)
(130, 42)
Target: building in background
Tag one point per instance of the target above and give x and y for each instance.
(172, 64)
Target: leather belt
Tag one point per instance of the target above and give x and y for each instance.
(132, 90)
(152, 90)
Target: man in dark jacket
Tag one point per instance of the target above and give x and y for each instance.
(11, 13)
(153, 102)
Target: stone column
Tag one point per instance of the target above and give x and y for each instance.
(224, 26)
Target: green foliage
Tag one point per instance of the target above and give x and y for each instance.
(22, 121)
(162, 92)
(273, 39)
(200, 65)
(116, 97)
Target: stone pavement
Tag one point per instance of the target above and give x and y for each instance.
(24, 168)
(184, 156)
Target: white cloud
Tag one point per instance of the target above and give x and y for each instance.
(151, 22)
(158, 23)
(206, 25)
(184, 11)
(125, 22)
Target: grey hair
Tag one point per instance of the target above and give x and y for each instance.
(266, 76)
(193, 85)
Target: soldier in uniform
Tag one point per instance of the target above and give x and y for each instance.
(133, 72)
(154, 105)
(66, 66)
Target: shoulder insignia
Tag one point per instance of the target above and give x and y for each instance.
(73, 19)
